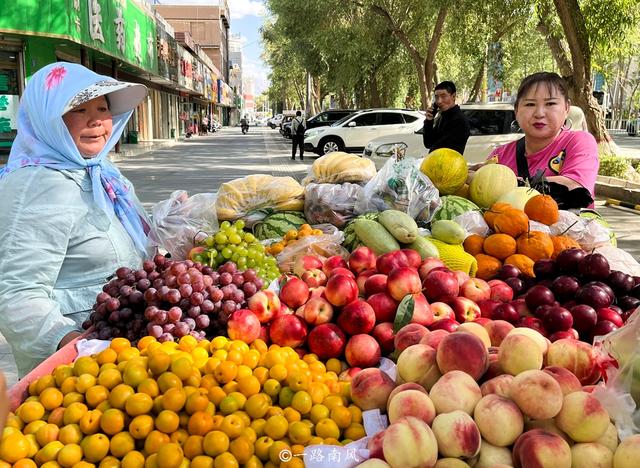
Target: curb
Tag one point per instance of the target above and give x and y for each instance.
(618, 189)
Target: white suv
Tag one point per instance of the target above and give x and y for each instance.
(352, 132)
(491, 125)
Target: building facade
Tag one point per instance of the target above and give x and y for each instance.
(124, 39)
(208, 26)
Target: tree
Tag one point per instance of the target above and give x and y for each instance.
(419, 26)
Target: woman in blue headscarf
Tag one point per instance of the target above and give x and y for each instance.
(68, 217)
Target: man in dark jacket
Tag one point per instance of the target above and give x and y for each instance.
(450, 129)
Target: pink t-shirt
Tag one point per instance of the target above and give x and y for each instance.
(573, 154)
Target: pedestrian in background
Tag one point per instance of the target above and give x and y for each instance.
(68, 217)
(450, 129)
(298, 127)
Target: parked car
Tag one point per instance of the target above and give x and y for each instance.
(323, 119)
(285, 126)
(328, 117)
(354, 131)
(492, 125)
(275, 121)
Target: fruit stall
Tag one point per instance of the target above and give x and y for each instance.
(393, 318)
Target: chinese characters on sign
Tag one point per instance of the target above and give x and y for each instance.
(150, 41)
(95, 20)
(137, 42)
(119, 22)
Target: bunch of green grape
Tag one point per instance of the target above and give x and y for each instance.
(232, 243)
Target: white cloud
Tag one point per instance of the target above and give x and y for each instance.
(242, 8)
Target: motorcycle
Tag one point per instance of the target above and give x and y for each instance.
(245, 129)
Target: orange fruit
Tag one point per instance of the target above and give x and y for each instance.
(200, 423)
(215, 443)
(141, 426)
(327, 428)
(174, 399)
(170, 456)
(225, 372)
(74, 413)
(299, 432)
(70, 434)
(241, 448)
(90, 422)
(138, 403)
(154, 441)
(232, 425)
(197, 401)
(121, 444)
(168, 380)
(167, 421)
(85, 365)
(119, 395)
(51, 398)
(95, 447)
(69, 455)
(112, 421)
(30, 411)
(341, 416)
(133, 459)
(14, 447)
(159, 362)
(201, 461)
(96, 395)
(276, 427)
(193, 446)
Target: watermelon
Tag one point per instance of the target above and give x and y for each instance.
(452, 206)
(351, 241)
(276, 225)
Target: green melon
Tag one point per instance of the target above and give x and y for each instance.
(351, 241)
(452, 206)
(278, 224)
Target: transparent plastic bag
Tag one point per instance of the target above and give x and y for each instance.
(339, 167)
(180, 221)
(238, 197)
(620, 361)
(330, 203)
(620, 260)
(323, 246)
(473, 223)
(400, 185)
(589, 233)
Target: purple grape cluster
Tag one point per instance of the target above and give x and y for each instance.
(168, 299)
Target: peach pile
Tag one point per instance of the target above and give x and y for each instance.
(488, 397)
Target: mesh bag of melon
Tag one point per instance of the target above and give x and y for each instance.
(180, 221)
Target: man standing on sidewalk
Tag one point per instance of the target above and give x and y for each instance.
(298, 127)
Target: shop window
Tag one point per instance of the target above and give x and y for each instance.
(9, 98)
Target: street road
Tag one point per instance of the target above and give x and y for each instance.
(201, 164)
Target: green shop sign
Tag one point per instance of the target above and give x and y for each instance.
(119, 28)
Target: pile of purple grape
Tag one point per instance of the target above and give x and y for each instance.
(168, 299)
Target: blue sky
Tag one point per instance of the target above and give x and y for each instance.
(246, 19)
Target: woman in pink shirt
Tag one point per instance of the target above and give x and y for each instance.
(565, 157)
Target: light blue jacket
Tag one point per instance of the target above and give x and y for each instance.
(53, 258)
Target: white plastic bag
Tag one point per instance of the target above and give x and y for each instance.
(400, 185)
(473, 223)
(620, 260)
(620, 359)
(180, 221)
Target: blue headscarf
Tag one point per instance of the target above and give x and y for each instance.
(44, 140)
